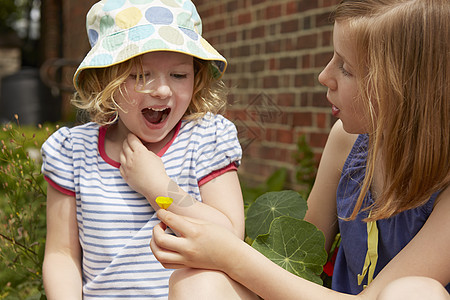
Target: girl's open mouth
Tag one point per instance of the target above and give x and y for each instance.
(155, 115)
(335, 110)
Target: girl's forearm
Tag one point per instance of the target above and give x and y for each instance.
(185, 205)
(252, 269)
(62, 277)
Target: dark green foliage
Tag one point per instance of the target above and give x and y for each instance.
(22, 212)
(276, 223)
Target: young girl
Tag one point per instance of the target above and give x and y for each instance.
(149, 85)
(383, 180)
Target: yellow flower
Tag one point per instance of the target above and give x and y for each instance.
(164, 202)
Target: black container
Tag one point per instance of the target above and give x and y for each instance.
(23, 93)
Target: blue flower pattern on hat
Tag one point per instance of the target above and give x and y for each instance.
(119, 30)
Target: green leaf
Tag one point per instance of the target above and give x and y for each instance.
(295, 245)
(270, 206)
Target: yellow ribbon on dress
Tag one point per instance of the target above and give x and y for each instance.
(372, 253)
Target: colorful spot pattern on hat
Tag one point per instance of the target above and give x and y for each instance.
(122, 29)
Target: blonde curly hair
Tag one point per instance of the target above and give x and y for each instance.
(97, 88)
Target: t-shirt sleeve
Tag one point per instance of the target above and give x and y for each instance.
(219, 151)
(57, 161)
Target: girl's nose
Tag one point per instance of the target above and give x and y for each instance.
(326, 78)
(161, 89)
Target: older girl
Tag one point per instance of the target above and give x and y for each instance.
(383, 180)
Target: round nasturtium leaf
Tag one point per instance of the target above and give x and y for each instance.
(295, 245)
(270, 206)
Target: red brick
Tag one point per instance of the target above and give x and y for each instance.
(327, 3)
(232, 6)
(292, 7)
(231, 37)
(256, 2)
(270, 82)
(322, 59)
(245, 18)
(273, 46)
(304, 99)
(267, 153)
(327, 38)
(286, 99)
(284, 136)
(273, 11)
(323, 20)
(307, 4)
(273, 64)
(306, 61)
(304, 80)
(290, 26)
(257, 65)
(258, 32)
(318, 139)
(322, 120)
(218, 25)
(302, 119)
(288, 63)
(320, 100)
(307, 41)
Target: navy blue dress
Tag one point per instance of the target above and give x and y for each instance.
(394, 233)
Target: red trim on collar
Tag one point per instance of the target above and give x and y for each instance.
(112, 162)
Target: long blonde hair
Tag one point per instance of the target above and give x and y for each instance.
(403, 54)
(97, 88)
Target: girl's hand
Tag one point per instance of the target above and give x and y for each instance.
(200, 244)
(142, 169)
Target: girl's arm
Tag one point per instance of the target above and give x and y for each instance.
(62, 260)
(224, 194)
(222, 199)
(208, 246)
(322, 199)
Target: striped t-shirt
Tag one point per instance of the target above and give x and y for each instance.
(114, 222)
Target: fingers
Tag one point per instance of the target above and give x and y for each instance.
(177, 223)
(159, 245)
(129, 146)
(133, 142)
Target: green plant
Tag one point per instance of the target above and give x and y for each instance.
(22, 212)
(275, 227)
(306, 167)
(274, 220)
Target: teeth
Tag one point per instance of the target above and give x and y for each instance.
(154, 109)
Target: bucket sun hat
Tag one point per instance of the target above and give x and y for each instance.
(119, 30)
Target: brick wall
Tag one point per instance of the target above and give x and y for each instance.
(64, 42)
(275, 50)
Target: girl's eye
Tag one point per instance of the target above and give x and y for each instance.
(343, 70)
(137, 77)
(179, 75)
